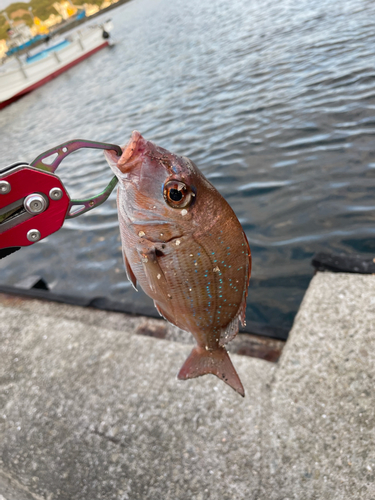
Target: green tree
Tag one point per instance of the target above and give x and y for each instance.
(42, 8)
(92, 2)
(3, 27)
(15, 6)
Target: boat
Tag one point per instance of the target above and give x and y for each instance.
(21, 75)
(20, 39)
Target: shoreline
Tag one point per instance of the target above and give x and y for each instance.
(64, 27)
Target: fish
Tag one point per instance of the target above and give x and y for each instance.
(184, 246)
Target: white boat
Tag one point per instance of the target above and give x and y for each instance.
(21, 75)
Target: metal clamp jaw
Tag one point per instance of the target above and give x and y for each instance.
(62, 152)
(33, 200)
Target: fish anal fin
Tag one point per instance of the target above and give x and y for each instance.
(129, 272)
(216, 361)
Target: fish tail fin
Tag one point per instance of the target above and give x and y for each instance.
(202, 361)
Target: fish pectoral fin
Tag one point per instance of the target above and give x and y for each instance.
(153, 271)
(164, 314)
(158, 282)
(129, 272)
(216, 361)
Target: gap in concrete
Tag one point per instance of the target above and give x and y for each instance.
(244, 344)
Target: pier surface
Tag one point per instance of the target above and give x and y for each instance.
(89, 409)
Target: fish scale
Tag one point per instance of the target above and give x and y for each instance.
(185, 247)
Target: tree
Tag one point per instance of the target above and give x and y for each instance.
(42, 8)
(3, 27)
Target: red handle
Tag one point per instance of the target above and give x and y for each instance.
(24, 228)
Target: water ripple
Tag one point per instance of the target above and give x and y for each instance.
(275, 101)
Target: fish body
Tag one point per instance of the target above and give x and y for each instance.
(183, 244)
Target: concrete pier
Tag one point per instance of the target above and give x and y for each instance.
(89, 409)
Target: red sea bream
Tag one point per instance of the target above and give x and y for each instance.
(183, 244)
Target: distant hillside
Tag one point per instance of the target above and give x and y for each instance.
(40, 8)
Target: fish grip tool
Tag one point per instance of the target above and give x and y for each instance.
(34, 202)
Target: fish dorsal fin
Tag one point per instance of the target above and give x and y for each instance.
(243, 305)
(231, 330)
(129, 272)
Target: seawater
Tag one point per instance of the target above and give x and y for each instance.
(274, 101)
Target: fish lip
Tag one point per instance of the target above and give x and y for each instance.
(130, 154)
(129, 151)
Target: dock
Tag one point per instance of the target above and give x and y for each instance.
(90, 408)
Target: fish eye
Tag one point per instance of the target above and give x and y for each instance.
(177, 194)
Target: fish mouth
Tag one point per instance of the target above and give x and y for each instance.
(131, 153)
